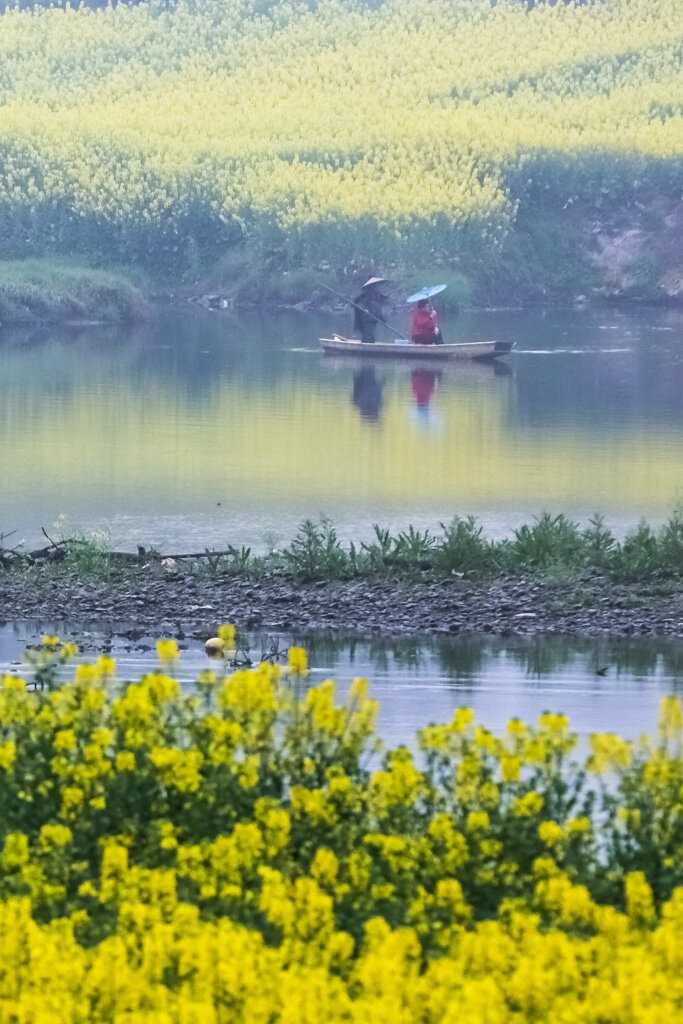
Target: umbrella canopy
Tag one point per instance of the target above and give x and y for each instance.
(373, 280)
(427, 293)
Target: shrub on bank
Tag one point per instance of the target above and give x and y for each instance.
(240, 852)
(549, 544)
(46, 290)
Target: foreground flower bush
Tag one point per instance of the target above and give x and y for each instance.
(244, 853)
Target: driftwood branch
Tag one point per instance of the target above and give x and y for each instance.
(6, 554)
(57, 549)
(201, 554)
(49, 538)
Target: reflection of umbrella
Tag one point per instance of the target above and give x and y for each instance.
(427, 293)
(426, 420)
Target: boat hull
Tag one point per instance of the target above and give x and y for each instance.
(480, 351)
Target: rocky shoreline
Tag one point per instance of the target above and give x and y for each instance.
(143, 601)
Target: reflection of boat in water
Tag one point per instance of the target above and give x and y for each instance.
(478, 351)
(466, 370)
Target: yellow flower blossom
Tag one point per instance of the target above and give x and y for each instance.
(550, 833)
(125, 761)
(478, 821)
(72, 798)
(297, 661)
(8, 754)
(105, 667)
(167, 651)
(65, 740)
(55, 836)
(608, 752)
(228, 635)
(528, 806)
(639, 901)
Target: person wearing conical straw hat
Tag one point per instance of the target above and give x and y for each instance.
(369, 309)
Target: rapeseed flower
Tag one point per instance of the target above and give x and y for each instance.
(96, 107)
(242, 861)
(297, 661)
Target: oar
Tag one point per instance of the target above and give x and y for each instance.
(344, 298)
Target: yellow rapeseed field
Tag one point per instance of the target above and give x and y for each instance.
(243, 852)
(335, 125)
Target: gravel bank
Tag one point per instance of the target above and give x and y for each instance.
(145, 600)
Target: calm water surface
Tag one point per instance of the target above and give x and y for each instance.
(204, 429)
(418, 682)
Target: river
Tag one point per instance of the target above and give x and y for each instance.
(421, 681)
(205, 428)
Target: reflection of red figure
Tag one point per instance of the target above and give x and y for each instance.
(423, 383)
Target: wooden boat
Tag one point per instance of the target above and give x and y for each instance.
(481, 351)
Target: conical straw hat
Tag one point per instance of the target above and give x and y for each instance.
(374, 280)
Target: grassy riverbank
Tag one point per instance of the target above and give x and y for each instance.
(551, 545)
(46, 290)
(234, 855)
(552, 576)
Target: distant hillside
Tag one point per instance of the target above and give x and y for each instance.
(496, 136)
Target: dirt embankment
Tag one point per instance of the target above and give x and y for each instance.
(639, 255)
(145, 600)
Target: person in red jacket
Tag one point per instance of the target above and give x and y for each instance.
(424, 324)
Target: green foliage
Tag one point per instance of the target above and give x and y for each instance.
(414, 549)
(378, 554)
(598, 541)
(51, 291)
(638, 556)
(316, 553)
(89, 554)
(551, 545)
(463, 548)
(671, 542)
(549, 541)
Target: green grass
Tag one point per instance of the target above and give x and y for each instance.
(553, 547)
(50, 291)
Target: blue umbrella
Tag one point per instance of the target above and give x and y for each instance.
(427, 293)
